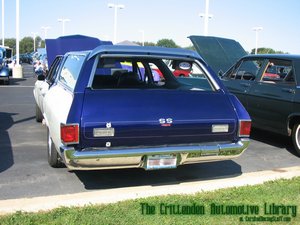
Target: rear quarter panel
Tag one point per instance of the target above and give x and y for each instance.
(57, 104)
(240, 110)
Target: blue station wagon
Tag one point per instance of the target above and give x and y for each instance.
(107, 108)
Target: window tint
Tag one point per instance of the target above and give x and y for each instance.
(148, 73)
(246, 70)
(71, 70)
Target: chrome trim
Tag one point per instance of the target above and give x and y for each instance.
(112, 158)
(93, 72)
(210, 77)
(149, 56)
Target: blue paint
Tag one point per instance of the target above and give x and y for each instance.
(64, 44)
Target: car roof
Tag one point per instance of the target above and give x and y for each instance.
(275, 56)
(144, 50)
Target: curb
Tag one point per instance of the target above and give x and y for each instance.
(120, 194)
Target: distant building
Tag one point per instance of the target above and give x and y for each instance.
(126, 42)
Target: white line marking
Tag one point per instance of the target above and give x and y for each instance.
(8, 86)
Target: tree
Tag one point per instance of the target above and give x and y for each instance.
(11, 43)
(26, 45)
(146, 43)
(267, 51)
(39, 42)
(168, 43)
(191, 47)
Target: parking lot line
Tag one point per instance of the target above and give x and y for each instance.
(9, 86)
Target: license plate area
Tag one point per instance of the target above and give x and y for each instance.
(157, 162)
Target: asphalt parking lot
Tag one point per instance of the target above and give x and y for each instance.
(24, 171)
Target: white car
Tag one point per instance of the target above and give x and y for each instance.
(42, 86)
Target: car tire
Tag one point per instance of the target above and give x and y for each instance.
(54, 159)
(296, 137)
(38, 114)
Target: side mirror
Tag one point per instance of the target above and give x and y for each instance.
(220, 73)
(41, 77)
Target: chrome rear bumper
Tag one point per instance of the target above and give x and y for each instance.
(114, 158)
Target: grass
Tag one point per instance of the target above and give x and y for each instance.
(281, 193)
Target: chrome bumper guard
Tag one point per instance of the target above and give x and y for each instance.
(115, 158)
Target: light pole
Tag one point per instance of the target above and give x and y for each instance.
(34, 36)
(17, 31)
(63, 21)
(206, 16)
(3, 23)
(45, 29)
(116, 7)
(143, 37)
(17, 70)
(256, 29)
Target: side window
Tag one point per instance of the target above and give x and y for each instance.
(196, 71)
(71, 69)
(278, 71)
(52, 74)
(246, 70)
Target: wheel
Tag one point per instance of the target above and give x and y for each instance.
(54, 159)
(296, 138)
(38, 114)
(6, 82)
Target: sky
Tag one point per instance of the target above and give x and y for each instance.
(159, 19)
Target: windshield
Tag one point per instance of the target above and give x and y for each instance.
(1, 54)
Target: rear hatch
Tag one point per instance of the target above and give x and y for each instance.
(155, 117)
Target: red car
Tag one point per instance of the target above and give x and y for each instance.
(180, 69)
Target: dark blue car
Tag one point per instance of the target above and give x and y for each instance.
(4, 70)
(102, 115)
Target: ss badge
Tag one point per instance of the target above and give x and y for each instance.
(166, 122)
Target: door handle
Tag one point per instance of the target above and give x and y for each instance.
(288, 90)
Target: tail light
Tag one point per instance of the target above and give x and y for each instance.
(69, 133)
(245, 128)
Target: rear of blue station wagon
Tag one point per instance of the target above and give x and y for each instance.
(130, 111)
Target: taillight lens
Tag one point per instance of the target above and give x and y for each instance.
(69, 133)
(245, 128)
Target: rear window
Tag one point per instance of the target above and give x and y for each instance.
(145, 73)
